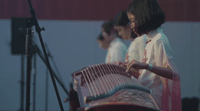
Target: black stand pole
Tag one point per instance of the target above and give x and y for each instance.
(54, 63)
(37, 50)
(47, 86)
(38, 30)
(29, 64)
(34, 82)
(46, 91)
(22, 84)
(55, 75)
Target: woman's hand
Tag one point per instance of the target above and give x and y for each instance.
(161, 71)
(118, 63)
(124, 64)
(136, 65)
(121, 63)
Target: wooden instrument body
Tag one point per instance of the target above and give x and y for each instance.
(124, 99)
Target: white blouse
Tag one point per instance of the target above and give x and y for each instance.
(157, 52)
(116, 51)
(136, 49)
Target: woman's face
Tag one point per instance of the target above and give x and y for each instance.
(132, 20)
(124, 31)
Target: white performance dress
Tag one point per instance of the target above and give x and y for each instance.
(136, 49)
(166, 92)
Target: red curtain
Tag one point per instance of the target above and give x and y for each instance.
(175, 10)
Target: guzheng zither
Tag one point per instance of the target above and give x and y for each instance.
(109, 87)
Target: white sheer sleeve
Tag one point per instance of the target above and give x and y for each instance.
(171, 88)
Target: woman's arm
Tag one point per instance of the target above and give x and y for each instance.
(161, 71)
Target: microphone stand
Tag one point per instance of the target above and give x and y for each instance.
(46, 92)
(33, 21)
(47, 86)
(43, 59)
(54, 63)
(22, 83)
(37, 50)
(34, 81)
(29, 63)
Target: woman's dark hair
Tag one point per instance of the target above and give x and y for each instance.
(108, 25)
(100, 37)
(121, 19)
(148, 14)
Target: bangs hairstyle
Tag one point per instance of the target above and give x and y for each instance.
(108, 26)
(100, 37)
(148, 14)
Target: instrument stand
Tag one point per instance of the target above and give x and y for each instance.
(33, 21)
